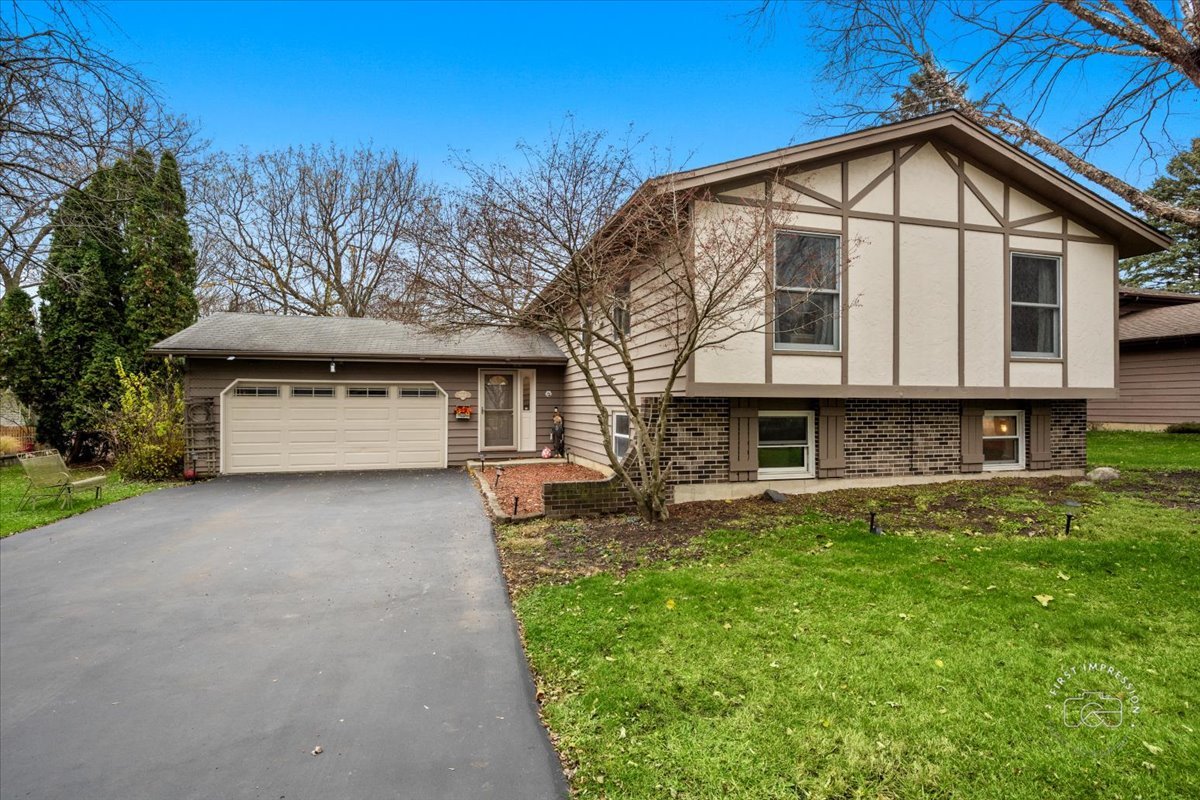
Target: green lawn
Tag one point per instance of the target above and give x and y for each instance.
(1144, 450)
(12, 486)
(811, 659)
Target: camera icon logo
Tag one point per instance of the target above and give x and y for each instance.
(1093, 710)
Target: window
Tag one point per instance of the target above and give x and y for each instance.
(257, 391)
(1035, 306)
(807, 291)
(785, 444)
(366, 391)
(312, 391)
(620, 433)
(1004, 440)
(418, 391)
(622, 323)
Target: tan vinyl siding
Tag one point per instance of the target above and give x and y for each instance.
(653, 352)
(1158, 385)
(206, 378)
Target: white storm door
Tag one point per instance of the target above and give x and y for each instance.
(499, 403)
(528, 414)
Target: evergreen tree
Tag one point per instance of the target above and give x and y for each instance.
(20, 347)
(1177, 268)
(121, 275)
(924, 94)
(160, 292)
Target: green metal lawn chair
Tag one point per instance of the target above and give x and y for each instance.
(47, 475)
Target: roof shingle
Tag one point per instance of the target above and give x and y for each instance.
(345, 337)
(1167, 322)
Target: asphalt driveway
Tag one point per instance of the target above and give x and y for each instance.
(199, 642)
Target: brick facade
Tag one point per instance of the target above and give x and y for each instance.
(882, 437)
(902, 437)
(695, 450)
(1068, 434)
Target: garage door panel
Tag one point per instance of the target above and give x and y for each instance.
(297, 434)
(353, 414)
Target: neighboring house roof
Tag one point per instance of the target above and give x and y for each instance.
(275, 336)
(1135, 299)
(1166, 322)
(1134, 236)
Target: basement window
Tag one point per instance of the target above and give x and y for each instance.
(785, 444)
(1003, 440)
(312, 391)
(620, 433)
(257, 391)
(366, 391)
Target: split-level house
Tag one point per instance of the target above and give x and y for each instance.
(971, 299)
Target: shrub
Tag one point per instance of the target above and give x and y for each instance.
(1184, 427)
(147, 428)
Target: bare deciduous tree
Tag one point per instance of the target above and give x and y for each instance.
(67, 108)
(317, 231)
(1023, 58)
(575, 245)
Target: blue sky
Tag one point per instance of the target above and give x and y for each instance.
(424, 78)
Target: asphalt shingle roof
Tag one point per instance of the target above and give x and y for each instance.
(1161, 323)
(345, 337)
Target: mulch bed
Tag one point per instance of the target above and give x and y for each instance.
(558, 551)
(524, 481)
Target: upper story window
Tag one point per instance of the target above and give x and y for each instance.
(622, 323)
(808, 291)
(1036, 306)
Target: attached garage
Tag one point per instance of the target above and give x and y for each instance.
(307, 427)
(312, 394)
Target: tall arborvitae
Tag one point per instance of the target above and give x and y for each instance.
(20, 347)
(160, 291)
(120, 277)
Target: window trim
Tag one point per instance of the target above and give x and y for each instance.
(622, 316)
(793, 347)
(1057, 306)
(367, 392)
(1001, 466)
(256, 391)
(627, 437)
(419, 391)
(772, 473)
(310, 392)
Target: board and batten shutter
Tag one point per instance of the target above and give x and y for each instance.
(743, 439)
(831, 439)
(972, 437)
(1039, 436)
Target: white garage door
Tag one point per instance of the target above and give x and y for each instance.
(311, 427)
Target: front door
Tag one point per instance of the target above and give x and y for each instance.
(498, 402)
